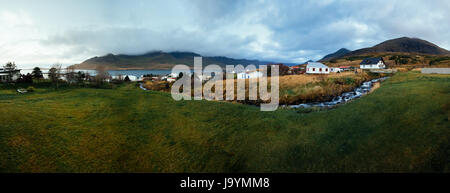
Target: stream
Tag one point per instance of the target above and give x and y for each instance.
(344, 97)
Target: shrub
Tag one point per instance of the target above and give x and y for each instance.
(349, 81)
(31, 89)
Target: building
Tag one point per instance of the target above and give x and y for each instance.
(170, 79)
(373, 63)
(9, 75)
(335, 69)
(173, 75)
(345, 68)
(248, 75)
(317, 68)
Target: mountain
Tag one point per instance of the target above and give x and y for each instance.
(403, 45)
(306, 62)
(337, 54)
(158, 60)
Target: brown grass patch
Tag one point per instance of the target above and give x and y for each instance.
(18, 142)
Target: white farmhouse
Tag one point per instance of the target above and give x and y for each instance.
(248, 75)
(9, 75)
(373, 63)
(317, 68)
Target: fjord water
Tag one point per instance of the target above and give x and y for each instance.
(135, 73)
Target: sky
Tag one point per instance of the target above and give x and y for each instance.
(45, 32)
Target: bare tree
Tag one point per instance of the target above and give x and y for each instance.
(102, 74)
(10, 66)
(71, 76)
(88, 76)
(55, 73)
(120, 77)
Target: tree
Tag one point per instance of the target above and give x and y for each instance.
(102, 74)
(120, 77)
(55, 73)
(10, 67)
(283, 69)
(71, 76)
(127, 79)
(28, 78)
(37, 73)
(81, 76)
(87, 76)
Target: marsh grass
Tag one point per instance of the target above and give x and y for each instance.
(293, 89)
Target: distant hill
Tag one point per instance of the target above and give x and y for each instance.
(337, 54)
(398, 52)
(402, 45)
(158, 60)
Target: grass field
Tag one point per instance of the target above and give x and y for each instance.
(400, 127)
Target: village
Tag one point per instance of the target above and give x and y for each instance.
(376, 65)
(294, 80)
(10, 73)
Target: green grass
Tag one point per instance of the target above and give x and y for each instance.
(400, 127)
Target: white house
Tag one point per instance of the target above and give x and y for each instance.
(6, 75)
(317, 68)
(335, 69)
(173, 75)
(122, 77)
(373, 63)
(171, 79)
(248, 75)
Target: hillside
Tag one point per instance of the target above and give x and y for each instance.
(334, 55)
(158, 60)
(402, 45)
(400, 52)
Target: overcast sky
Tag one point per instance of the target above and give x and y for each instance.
(40, 33)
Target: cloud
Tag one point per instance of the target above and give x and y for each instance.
(281, 30)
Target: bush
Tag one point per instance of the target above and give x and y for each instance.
(344, 80)
(31, 89)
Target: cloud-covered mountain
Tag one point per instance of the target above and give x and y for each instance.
(159, 60)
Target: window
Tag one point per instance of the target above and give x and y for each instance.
(314, 69)
(320, 69)
(326, 69)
